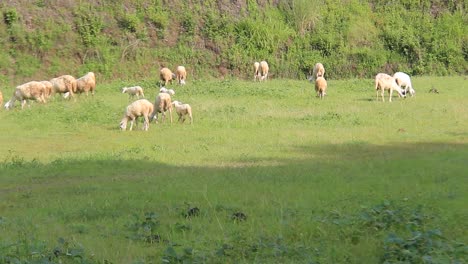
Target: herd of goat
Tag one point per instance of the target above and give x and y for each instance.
(68, 86)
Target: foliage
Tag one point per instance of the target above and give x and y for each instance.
(89, 26)
(145, 230)
(423, 247)
(30, 250)
(354, 38)
(10, 16)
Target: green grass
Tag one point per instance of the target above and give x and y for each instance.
(304, 171)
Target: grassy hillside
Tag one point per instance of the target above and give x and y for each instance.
(132, 39)
(267, 173)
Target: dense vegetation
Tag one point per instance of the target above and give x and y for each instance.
(132, 39)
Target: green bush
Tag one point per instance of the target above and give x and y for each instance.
(10, 16)
(89, 26)
(352, 38)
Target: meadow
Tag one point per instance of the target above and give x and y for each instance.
(267, 173)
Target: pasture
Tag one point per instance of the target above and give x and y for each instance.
(267, 173)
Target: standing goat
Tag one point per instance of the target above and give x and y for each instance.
(181, 75)
(25, 92)
(165, 76)
(86, 84)
(321, 87)
(136, 109)
(161, 105)
(318, 71)
(384, 82)
(182, 111)
(65, 84)
(403, 80)
(263, 72)
(256, 71)
(132, 91)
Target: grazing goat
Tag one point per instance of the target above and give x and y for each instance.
(181, 75)
(86, 84)
(136, 109)
(25, 92)
(64, 84)
(263, 71)
(132, 91)
(48, 89)
(161, 105)
(321, 87)
(168, 91)
(318, 71)
(182, 111)
(384, 82)
(165, 76)
(256, 71)
(403, 80)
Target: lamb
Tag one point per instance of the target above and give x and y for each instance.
(182, 111)
(403, 80)
(48, 89)
(318, 71)
(86, 83)
(141, 107)
(132, 91)
(321, 87)
(384, 82)
(64, 84)
(168, 91)
(161, 105)
(25, 92)
(181, 75)
(263, 71)
(166, 76)
(256, 71)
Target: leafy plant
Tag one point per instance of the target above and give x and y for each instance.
(145, 230)
(10, 16)
(423, 247)
(89, 26)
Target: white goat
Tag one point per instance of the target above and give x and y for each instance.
(168, 91)
(182, 111)
(25, 92)
(181, 75)
(64, 84)
(161, 105)
(403, 80)
(49, 89)
(321, 87)
(133, 91)
(256, 71)
(166, 76)
(263, 74)
(141, 107)
(384, 82)
(318, 71)
(86, 83)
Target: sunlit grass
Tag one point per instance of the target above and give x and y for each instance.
(301, 169)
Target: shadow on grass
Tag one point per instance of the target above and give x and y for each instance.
(380, 167)
(323, 188)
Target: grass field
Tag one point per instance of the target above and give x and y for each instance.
(267, 173)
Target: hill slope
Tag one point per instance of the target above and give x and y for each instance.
(133, 39)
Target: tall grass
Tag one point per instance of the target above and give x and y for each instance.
(267, 173)
(42, 40)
